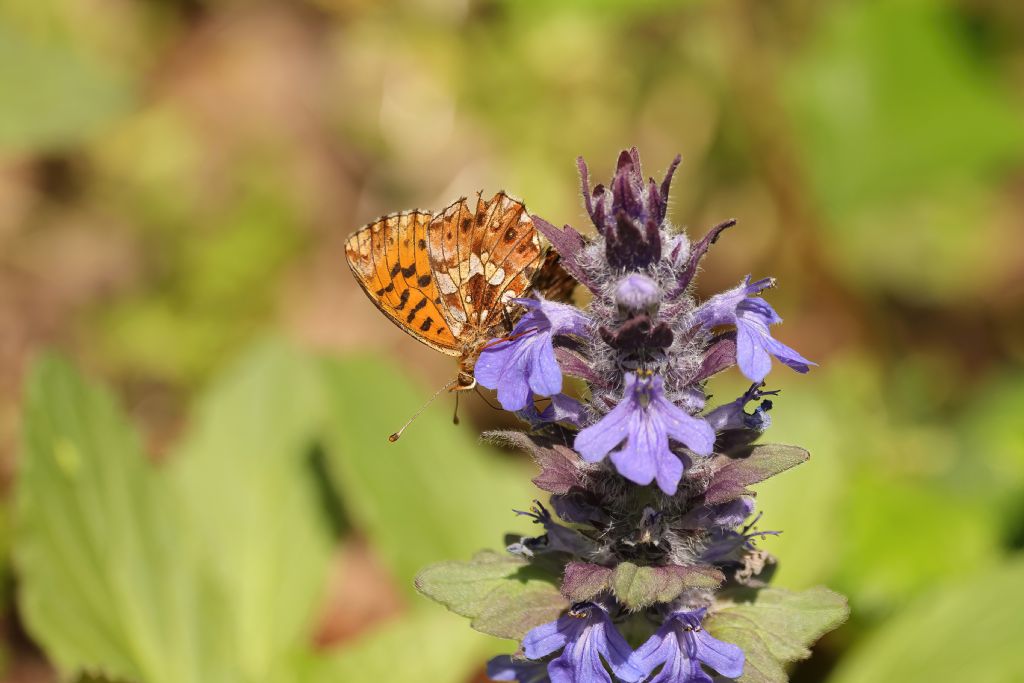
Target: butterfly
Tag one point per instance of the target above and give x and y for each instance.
(448, 278)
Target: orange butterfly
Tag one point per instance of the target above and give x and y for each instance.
(447, 278)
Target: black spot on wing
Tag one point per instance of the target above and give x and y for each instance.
(415, 309)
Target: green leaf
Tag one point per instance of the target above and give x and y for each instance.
(207, 570)
(425, 646)
(584, 581)
(756, 463)
(969, 631)
(433, 495)
(900, 124)
(247, 458)
(504, 596)
(890, 101)
(775, 626)
(638, 587)
(108, 582)
(53, 94)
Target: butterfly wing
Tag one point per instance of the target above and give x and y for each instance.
(553, 281)
(390, 260)
(480, 260)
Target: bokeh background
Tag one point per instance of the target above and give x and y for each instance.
(177, 179)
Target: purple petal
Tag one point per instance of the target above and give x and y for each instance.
(788, 356)
(566, 409)
(547, 638)
(587, 664)
(658, 649)
(491, 363)
(597, 440)
(720, 309)
(562, 318)
(756, 306)
(505, 668)
(508, 365)
(725, 658)
(693, 432)
(544, 375)
(751, 356)
(637, 461)
(616, 651)
(562, 670)
(681, 670)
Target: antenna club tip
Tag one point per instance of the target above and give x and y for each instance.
(394, 437)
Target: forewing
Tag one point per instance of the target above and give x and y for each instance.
(482, 259)
(390, 261)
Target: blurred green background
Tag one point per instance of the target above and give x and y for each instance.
(177, 179)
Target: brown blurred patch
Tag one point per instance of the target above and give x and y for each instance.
(360, 594)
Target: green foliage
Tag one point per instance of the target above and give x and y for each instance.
(208, 571)
(432, 495)
(775, 627)
(639, 587)
(426, 646)
(886, 99)
(901, 129)
(584, 581)
(214, 290)
(53, 94)
(504, 596)
(754, 465)
(245, 481)
(971, 630)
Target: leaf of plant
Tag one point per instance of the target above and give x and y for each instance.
(504, 596)
(584, 581)
(204, 571)
(775, 626)
(427, 645)
(757, 464)
(434, 494)
(969, 631)
(108, 582)
(246, 458)
(638, 587)
(54, 95)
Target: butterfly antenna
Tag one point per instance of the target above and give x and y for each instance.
(455, 416)
(485, 399)
(397, 435)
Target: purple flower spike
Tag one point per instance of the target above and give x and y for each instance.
(525, 361)
(629, 213)
(682, 645)
(645, 420)
(752, 316)
(585, 635)
(505, 668)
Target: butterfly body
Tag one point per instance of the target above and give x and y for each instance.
(448, 279)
